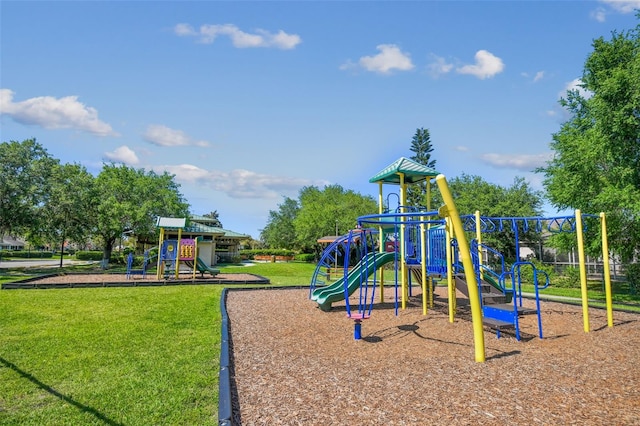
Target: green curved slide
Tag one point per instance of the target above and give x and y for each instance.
(325, 296)
(203, 267)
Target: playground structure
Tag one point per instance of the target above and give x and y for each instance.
(430, 246)
(145, 265)
(173, 252)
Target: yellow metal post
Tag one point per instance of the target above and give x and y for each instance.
(403, 265)
(465, 254)
(450, 286)
(606, 271)
(583, 272)
(479, 239)
(177, 261)
(159, 262)
(381, 238)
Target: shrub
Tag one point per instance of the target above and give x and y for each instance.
(89, 255)
(266, 252)
(633, 277)
(305, 257)
(28, 254)
(526, 272)
(570, 278)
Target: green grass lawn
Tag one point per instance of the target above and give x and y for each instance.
(134, 356)
(129, 356)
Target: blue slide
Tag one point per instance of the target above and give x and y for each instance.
(325, 296)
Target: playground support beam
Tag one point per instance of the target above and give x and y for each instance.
(606, 271)
(479, 239)
(465, 254)
(403, 260)
(159, 263)
(450, 288)
(381, 239)
(177, 262)
(583, 272)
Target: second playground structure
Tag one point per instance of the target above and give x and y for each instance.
(418, 244)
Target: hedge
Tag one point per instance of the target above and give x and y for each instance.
(267, 252)
(89, 255)
(28, 254)
(633, 276)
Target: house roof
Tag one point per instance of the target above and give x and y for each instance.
(196, 226)
(413, 172)
(10, 242)
(200, 228)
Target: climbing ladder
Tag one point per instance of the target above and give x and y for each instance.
(502, 305)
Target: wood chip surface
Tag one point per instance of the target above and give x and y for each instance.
(296, 365)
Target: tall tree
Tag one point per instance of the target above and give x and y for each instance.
(25, 169)
(596, 166)
(280, 231)
(422, 149)
(131, 199)
(68, 212)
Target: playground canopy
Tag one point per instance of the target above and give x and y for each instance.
(171, 222)
(413, 172)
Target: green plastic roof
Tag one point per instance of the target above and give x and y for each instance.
(413, 172)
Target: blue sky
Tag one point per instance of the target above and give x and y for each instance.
(247, 102)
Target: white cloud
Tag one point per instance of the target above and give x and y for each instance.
(185, 173)
(261, 38)
(487, 65)
(239, 183)
(461, 148)
(438, 66)
(599, 14)
(54, 113)
(575, 84)
(614, 6)
(623, 6)
(524, 162)
(539, 76)
(160, 135)
(123, 154)
(390, 58)
(183, 30)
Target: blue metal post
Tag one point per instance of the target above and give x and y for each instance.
(357, 330)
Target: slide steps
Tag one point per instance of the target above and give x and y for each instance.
(498, 310)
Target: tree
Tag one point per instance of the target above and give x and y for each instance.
(130, 200)
(322, 211)
(473, 193)
(216, 218)
(596, 166)
(68, 212)
(422, 149)
(25, 169)
(280, 231)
